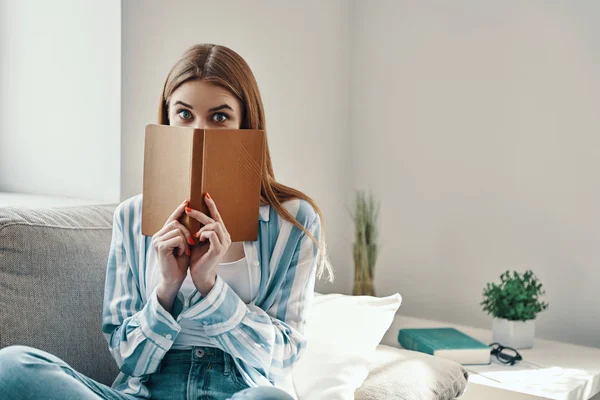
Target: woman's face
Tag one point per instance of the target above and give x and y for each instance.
(203, 105)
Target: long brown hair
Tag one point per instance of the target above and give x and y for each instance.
(224, 67)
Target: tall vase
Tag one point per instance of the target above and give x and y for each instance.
(363, 270)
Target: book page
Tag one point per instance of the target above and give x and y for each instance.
(528, 377)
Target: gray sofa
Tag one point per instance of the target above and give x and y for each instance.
(52, 271)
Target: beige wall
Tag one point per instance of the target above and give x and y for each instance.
(477, 124)
(474, 122)
(60, 70)
(298, 53)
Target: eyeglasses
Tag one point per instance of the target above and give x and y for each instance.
(506, 355)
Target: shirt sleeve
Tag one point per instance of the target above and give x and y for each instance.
(138, 334)
(265, 342)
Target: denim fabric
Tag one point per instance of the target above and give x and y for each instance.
(198, 373)
(202, 372)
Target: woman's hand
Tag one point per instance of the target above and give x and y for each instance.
(214, 243)
(167, 241)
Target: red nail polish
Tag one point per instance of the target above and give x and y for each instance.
(187, 209)
(207, 196)
(191, 241)
(189, 253)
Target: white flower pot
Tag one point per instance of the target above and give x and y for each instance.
(515, 334)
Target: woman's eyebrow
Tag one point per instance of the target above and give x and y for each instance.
(220, 107)
(183, 104)
(212, 109)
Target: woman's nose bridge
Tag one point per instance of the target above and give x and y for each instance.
(200, 123)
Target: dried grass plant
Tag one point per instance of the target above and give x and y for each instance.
(365, 246)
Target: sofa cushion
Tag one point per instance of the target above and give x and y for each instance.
(52, 271)
(399, 374)
(342, 332)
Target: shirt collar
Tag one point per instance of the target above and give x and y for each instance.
(263, 214)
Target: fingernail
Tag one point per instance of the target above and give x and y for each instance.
(187, 209)
(191, 241)
(207, 196)
(189, 252)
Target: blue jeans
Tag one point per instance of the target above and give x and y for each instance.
(198, 373)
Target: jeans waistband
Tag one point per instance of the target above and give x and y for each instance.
(200, 354)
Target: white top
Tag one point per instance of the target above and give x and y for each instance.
(244, 281)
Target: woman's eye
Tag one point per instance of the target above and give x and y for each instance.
(185, 114)
(225, 117)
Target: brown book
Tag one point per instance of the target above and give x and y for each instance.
(182, 163)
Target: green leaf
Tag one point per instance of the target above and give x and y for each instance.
(515, 298)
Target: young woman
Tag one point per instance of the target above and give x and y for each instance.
(191, 314)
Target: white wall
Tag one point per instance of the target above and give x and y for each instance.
(477, 125)
(474, 122)
(60, 98)
(299, 54)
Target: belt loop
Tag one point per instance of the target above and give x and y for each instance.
(227, 363)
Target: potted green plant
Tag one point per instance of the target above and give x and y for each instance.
(365, 248)
(514, 304)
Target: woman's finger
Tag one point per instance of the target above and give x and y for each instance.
(209, 227)
(173, 245)
(215, 244)
(199, 216)
(223, 234)
(175, 226)
(175, 233)
(177, 213)
(218, 227)
(173, 217)
(184, 231)
(212, 207)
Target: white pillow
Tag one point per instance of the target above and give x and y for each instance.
(342, 333)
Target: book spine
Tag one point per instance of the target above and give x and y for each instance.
(203, 184)
(412, 342)
(197, 185)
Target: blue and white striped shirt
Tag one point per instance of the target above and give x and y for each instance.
(264, 337)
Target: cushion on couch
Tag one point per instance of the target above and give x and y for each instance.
(52, 270)
(342, 332)
(399, 374)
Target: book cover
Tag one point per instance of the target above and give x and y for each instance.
(445, 342)
(181, 162)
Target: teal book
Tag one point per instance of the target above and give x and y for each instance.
(445, 342)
